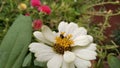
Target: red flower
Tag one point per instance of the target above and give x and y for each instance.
(37, 24)
(35, 3)
(46, 9)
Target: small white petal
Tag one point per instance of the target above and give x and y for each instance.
(42, 52)
(92, 46)
(45, 56)
(86, 54)
(69, 56)
(71, 27)
(34, 47)
(67, 65)
(82, 31)
(55, 34)
(80, 63)
(55, 62)
(90, 38)
(48, 34)
(62, 26)
(82, 40)
(41, 38)
(79, 31)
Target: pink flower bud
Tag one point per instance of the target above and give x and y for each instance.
(27, 14)
(46, 9)
(35, 3)
(37, 24)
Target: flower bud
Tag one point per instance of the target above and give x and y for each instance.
(35, 3)
(22, 6)
(37, 24)
(27, 14)
(45, 9)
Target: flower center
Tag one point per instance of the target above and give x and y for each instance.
(63, 43)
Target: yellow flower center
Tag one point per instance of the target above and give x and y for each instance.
(63, 43)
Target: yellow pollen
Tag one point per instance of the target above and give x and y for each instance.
(69, 36)
(64, 41)
(62, 33)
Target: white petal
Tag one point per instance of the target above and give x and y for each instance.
(80, 63)
(71, 27)
(62, 26)
(83, 40)
(79, 31)
(48, 34)
(69, 56)
(42, 52)
(86, 54)
(90, 38)
(82, 31)
(67, 65)
(45, 56)
(55, 34)
(35, 47)
(55, 62)
(92, 46)
(41, 38)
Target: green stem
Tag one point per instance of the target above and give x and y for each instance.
(99, 64)
(11, 4)
(101, 13)
(2, 6)
(115, 45)
(103, 3)
(6, 27)
(104, 25)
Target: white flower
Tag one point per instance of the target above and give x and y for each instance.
(70, 47)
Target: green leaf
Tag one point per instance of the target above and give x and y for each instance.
(41, 64)
(27, 60)
(113, 62)
(15, 44)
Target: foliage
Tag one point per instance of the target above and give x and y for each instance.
(15, 44)
(113, 62)
(80, 12)
(116, 36)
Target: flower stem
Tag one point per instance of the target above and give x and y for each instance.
(103, 3)
(115, 45)
(104, 25)
(2, 6)
(101, 13)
